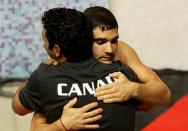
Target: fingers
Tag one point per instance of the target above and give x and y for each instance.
(93, 113)
(112, 100)
(105, 87)
(50, 62)
(93, 119)
(71, 103)
(118, 76)
(115, 74)
(107, 96)
(81, 118)
(89, 107)
(105, 91)
(94, 126)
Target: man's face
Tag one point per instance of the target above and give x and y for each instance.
(105, 44)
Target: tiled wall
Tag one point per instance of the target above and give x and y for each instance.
(21, 47)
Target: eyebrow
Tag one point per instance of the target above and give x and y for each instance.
(103, 39)
(99, 39)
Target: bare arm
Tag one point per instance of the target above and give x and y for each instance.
(153, 90)
(39, 124)
(72, 118)
(17, 106)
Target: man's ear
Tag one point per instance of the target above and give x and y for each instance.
(57, 50)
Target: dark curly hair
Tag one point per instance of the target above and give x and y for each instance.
(101, 17)
(71, 30)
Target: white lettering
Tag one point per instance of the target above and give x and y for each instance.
(100, 83)
(86, 87)
(89, 89)
(75, 89)
(108, 79)
(59, 89)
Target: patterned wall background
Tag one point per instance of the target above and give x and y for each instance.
(21, 47)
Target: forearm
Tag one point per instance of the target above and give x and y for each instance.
(39, 124)
(49, 127)
(72, 119)
(153, 92)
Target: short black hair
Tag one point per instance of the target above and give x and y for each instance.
(101, 17)
(71, 31)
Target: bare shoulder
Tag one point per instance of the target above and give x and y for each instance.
(127, 54)
(124, 45)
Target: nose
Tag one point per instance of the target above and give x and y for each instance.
(108, 48)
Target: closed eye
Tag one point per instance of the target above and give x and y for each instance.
(100, 41)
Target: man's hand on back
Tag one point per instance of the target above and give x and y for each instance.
(119, 91)
(81, 118)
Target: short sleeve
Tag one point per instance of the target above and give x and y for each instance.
(29, 95)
